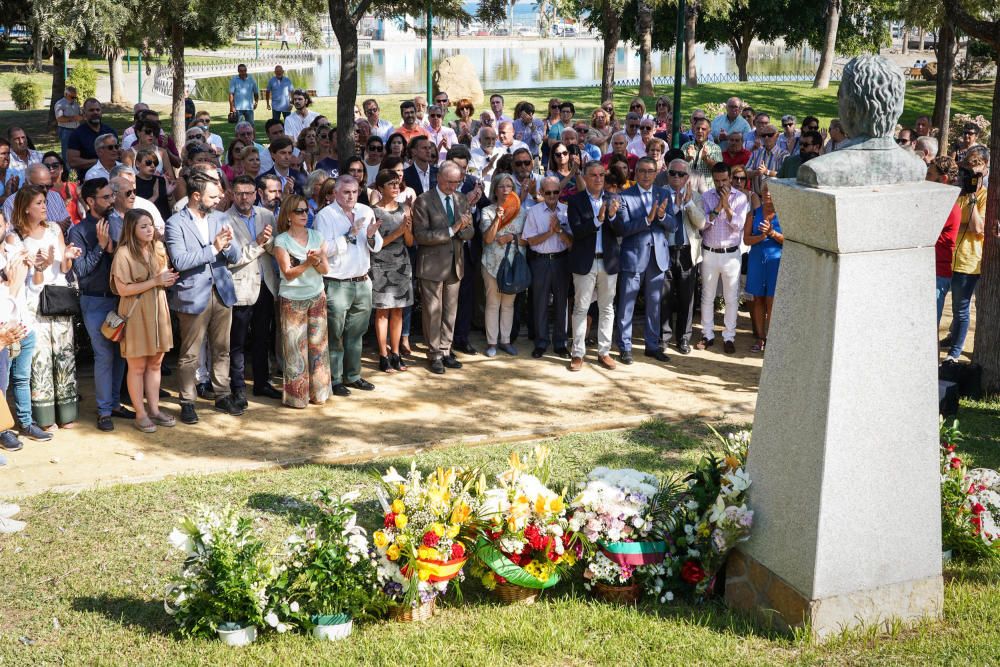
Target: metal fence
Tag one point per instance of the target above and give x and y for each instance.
(835, 75)
(163, 76)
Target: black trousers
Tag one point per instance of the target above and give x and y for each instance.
(550, 275)
(466, 299)
(253, 327)
(677, 302)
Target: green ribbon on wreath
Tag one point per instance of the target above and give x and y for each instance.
(507, 569)
(634, 553)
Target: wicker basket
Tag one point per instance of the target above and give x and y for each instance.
(407, 614)
(514, 594)
(618, 594)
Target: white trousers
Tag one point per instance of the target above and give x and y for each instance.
(585, 285)
(715, 267)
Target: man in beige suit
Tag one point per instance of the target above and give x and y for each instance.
(256, 284)
(441, 222)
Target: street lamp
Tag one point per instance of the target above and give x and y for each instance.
(678, 66)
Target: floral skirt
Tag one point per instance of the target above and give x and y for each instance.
(307, 357)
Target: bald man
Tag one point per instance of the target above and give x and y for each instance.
(731, 121)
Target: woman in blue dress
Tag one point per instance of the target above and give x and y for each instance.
(763, 234)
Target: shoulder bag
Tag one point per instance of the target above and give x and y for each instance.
(113, 327)
(59, 300)
(513, 276)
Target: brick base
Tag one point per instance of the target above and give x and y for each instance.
(753, 588)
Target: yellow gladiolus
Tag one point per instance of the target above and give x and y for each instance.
(540, 504)
(461, 513)
(401, 490)
(453, 531)
(556, 504)
(569, 557)
(392, 553)
(401, 521)
(398, 507)
(380, 539)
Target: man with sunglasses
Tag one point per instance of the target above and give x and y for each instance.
(637, 146)
(731, 121)
(810, 144)
(905, 139)
(442, 102)
(546, 229)
(753, 140)
(123, 184)
(81, 153)
(681, 279)
(380, 127)
(441, 135)
(108, 151)
(765, 162)
(40, 175)
(68, 116)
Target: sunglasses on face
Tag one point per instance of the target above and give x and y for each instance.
(805, 144)
(553, 106)
(300, 211)
(111, 147)
(739, 178)
(52, 166)
(561, 153)
(677, 174)
(442, 101)
(902, 141)
(128, 193)
(371, 110)
(789, 124)
(767, 135)
(550, 192)
(811, 128)
(375, 149)
(435, 115)
(523, 163)
(646, 128)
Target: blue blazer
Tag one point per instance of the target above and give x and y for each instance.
(581, 223)
(199, 266)
(412, 179)
(298, 179)
(642, 242)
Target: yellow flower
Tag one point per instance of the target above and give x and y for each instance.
(402, 540)
(426, 553)
(423, 574)
(540, 504)
(569, 557)
(704, 530)
(556, 505)
(398, 507)
(489, 581)
(401, 490)
(461, 513)
(392, 553)
(438, 529)
(380, 539)
(401, 521)
(453, 531)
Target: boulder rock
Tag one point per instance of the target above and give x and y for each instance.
(929, 72)
(457, 76)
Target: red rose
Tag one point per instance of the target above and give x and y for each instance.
(431, 539)
(514, 558)
(950, 448)
(534, 537)
(978, 509)
(390, 520)
(956, 462)
(457, 551)
(551, 554)
(692, 573)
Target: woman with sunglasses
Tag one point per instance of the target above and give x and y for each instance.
(146, 137)
(326, 158)
(64, 188)
(392, 284)
(357, 168)
(374, 152)
(638, 105)
(663, 121)
(564, 166)
(150, 185)
(464, 125)
(232, 166)
(301, 257)
(502, 223)
(609, 108)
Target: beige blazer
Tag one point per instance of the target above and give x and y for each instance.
(439, 255)
(255, 261)
(694, 222)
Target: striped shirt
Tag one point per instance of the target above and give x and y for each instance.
(722, 230)
(771, 159)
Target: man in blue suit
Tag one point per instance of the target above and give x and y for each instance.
(593, 259)
(422, 174)
(644, 257)
(200, 244)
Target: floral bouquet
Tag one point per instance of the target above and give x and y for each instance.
(225, 575)
(970, 504)
(428, 526)
(328, 573)
(524, 541)
(614, 511)
(706, 517)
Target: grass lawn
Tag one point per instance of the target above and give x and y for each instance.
(98, 560)
(795, 97)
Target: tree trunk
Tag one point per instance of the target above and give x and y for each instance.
(510, 31)
(690, 42)
(37, 53)
(177, 94)
(945, 51)
(920, 40)
(347, 93)
(117, 76)
(822, 80)
(905, 34)
(612, 34)
(987, 339)
(741, 47)
(645, 30)
(58, 83)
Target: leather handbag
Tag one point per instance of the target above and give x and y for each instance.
(232, 117)
(113, 326)
(513, 276)
(59, 300)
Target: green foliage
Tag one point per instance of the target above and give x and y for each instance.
(961, 511)
(27, 94)
(84, 78)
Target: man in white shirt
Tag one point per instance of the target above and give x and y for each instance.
(546, 231)
(351, 234)
(21, 156)
(637, 146)
(505, 133)
(380, 126)
(68, 116)
(301, 117)
(496, 104)
(443, 136)
(108, 153)
(486, 155)
(39, 174)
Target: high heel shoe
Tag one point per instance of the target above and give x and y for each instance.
(384, 365)
(397, 362)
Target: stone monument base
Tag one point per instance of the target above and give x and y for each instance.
(751, 587)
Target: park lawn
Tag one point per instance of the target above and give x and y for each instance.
(798, 98)
(83, 583)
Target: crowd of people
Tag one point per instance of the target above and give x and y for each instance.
(282, 255)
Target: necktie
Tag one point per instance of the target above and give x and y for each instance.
(645, 200)
(679, 235)
(449, 210)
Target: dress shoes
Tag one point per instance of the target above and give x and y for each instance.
(188, 415)
(123, 413)
(436, 367)
(229, 405)
(538, 353)
(606, 361)
(240, 398)
(576, 364)
(451, 362)
(683, 347)
(625, 358)
(204, 390)
(704, 344)
(659, 355)
(267, 391)
(562, 352)
(340, 389)
(362, 384)
(465, 348)
(729, 347)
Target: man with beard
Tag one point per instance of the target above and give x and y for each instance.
(81, 151)
(269, 192)
(301, 117)
(97, 237)
(810, 144)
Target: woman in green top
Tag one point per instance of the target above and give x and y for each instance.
(302, 262)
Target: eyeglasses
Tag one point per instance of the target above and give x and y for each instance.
(52, 166)
(811, 128)
(739, 178)
(635, 106)
(375, 149)
(111, 147)
(441, 101)
(323, 136)
(300, 211)
(523, 163)
(147, 131)
(902, 141)
(767, 134)
(806, 144)
(129, 193)
(553, 106)
(646, 128)
(435, 115)
(677, 174)
(371, 110)
(661, 104)
(789, 124)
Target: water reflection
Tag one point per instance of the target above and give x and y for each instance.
(401, 68)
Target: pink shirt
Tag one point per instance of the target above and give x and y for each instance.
(724, 231)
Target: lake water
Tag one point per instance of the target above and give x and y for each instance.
(401, 68)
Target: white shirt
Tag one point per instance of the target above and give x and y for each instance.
(537, 223)
(383, 129)
(442, 132)
(454, 208)
(515, 145)
(266, 161)
(347, 259)
(295, 123)
(200, 224)
(216, 140)
(636, 146)
(145, 205)
(596, 205)
(34, 157)
(98, 171)
(424, 176)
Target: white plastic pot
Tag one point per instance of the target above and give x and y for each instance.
(231, 634)
(332, 631)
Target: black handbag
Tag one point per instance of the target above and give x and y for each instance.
(59, 301)
(513, 276)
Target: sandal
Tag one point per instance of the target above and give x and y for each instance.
(385, 365)
(759, 346)
(163, 419)
(145, 425)
(397, 362)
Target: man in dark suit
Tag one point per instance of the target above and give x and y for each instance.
(593, 259)
(644, 258)
(201, 245)
(292, 180)
(423, 173)
(442, 221)
(677, 304)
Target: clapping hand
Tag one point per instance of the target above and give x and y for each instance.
(264, 236)
(72, 252)
(407, 224)
(762, 169)
(765, 228)
(613, 208)
(499, 216)
(223, 238)
(528, 187)
(44, 259)
(314, 257)
(554, 225)
(661, 210)
(474, 195)
(13, 183)
(104, 235)
(166, 278)
(11, 332)
(372, 228)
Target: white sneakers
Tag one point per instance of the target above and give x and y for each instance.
(8, 525)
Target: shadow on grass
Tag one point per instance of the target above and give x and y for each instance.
(979, 422)
(146, 616)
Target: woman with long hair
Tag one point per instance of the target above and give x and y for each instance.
(392, 276)
(563, 166)
(53, 365)
(663, 121)
(308, 145)
(150, 185)
(326, 157)
(763, 235)
(232, 166)
(61, 185)
(395, 146)
(502, 223)
(464, 125)
(301, 256)
(140, 275)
